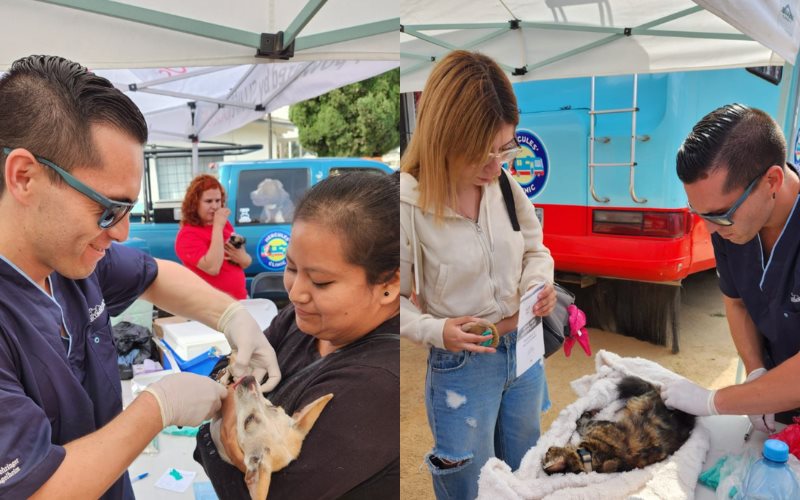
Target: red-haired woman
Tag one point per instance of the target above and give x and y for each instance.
(202, 243)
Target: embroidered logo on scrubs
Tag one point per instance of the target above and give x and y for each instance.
(794, 298)
(9, 470)
(96, 311)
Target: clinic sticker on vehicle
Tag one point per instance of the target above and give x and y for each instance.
(531, 168)
(797, 148)
(272, 250)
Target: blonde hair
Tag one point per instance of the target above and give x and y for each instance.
(465, 102)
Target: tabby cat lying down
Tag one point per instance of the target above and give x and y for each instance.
(645, 433)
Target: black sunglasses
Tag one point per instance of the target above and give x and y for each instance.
(114, 211)
(726, 219)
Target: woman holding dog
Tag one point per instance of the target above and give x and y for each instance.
(204, 242)
(461, 261)
(339, 335)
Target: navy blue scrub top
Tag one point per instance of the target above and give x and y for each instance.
(769, 287)
(50, 394)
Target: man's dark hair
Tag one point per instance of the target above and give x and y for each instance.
(48, 105)
(745, 141)
(364, 208)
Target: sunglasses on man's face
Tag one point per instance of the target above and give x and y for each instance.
(114, 211)
(726, 219)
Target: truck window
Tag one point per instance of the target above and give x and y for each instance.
(268, 196)
(174, 174)
(341, 170)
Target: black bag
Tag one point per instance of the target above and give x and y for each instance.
(129, 337)
(556, 325)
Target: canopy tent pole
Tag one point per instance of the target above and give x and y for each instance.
(234, 89)
(269, 134)
(232, 35)
(615, 34)
(195, 157)
(200, 98)
(788, 106)
(164, 20)
(347, 34)
(299, 22)
(182, 76)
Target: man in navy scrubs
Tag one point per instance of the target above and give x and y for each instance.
(733, 168)
(72, 157)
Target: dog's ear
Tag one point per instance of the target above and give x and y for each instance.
(304, 419)
(258, 476)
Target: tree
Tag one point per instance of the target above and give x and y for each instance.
(360, 119)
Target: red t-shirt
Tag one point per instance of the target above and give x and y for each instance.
(192, 244)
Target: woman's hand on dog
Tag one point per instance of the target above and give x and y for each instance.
(227, 432)
(456, 340)
(238, 256)
(546, 301)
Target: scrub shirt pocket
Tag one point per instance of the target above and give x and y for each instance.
(787, 325)
(102, 368)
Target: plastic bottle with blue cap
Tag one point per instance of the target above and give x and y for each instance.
(770, 476)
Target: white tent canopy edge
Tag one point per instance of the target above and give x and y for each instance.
(103, 34)
(548, 39)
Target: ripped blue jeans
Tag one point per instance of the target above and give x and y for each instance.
(478, 409)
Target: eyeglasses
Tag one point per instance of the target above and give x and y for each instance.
(504, 156)
(726, 219)
(114, 211)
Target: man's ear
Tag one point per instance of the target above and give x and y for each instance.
(775, 177)
(390, 289)
(20, 171)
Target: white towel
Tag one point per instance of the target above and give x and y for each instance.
(673, 478)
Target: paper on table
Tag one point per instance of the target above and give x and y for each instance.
(530, 334)
(204, 491)
(176, 480)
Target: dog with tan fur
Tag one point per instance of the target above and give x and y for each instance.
(258, 437)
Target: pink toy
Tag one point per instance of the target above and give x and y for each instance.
(789, 435)
(577, 329)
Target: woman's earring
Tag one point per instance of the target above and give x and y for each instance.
(386, 293)
(773, 196)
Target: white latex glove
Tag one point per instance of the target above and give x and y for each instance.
(683, 394)
(255, 356)
(765, 422)
(187, 399)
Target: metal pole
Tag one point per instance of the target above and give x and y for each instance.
(269, 129)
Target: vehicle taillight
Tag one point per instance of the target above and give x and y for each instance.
(639, 223)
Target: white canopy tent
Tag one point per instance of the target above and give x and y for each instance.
(201, 68)
(104, 34)
(547, 39)
(192, 103)
(544, 39)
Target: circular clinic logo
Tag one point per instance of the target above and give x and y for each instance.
(531, 167)
(272, 250)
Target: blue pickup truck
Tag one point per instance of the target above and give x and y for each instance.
(262, 196)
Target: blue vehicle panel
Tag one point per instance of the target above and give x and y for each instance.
(262, 196)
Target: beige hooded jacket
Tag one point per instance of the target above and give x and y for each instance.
(459, 267)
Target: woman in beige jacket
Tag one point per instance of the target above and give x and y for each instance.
(461, 261)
